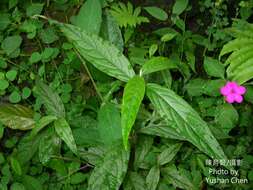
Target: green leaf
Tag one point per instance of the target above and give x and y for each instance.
(16, 117)
(3, 84)
(126, 15)
(15, 165)
(89, 17)
(167, 37)
(27, 148)
(15, 97)
(135, 182)
(31, 183)
(63, 129)
(110, 31)
(187, 121)
(11, 75)
(11, 44)
(214, 68)
(163, 131)
(111, 172)
(157, 64)
(48, 36)
(35, 57)
(87, 136)
(169, 153)
(51, 100)
(4, 21)
(179, 6)
(236, 44)
(195, 87)
(78, 178)
(157, 12)
(177, 178)
(103, 55)
(43, 122)
(17, 186)
(152, 178)
(132, 98)
(143, 147)
(49, 145)
(26, 92)
(109, 127)
(34, 9)
(226, 117)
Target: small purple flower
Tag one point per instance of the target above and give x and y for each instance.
(233, 92)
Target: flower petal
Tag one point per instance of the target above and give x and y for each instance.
(240, 90)
(225, 90)
(230, 98)
(238, 98)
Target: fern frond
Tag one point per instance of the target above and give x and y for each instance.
(240, 62)
(235, 45)
(126, 15)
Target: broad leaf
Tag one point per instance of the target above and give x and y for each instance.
(157, 12)
(63, 129)
(89, 17)
(132, 98)
(187, 121)
(109, 125)
(51, 100)
(17, 117)
(179, 6)
(103, 55)
(226, 117)
(152, 178)
(110, 174)
(157, 64)
(214, 68)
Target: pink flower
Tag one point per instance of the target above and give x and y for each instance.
(233, 92)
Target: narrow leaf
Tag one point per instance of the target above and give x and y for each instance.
(157, 64)
(188, 122)
(63, 129)
(152, 178)
(132, 98)
(157, 12)
(17, 117)
(169, 153)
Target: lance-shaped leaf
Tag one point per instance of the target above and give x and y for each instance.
(187, 121)
(17, 117)
(132, 98)
(102, 54)
(111, 172)
(51, 100)
(63, 129)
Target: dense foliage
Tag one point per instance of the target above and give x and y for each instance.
(110, 94)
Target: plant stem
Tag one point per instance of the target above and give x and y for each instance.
(91, 78)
